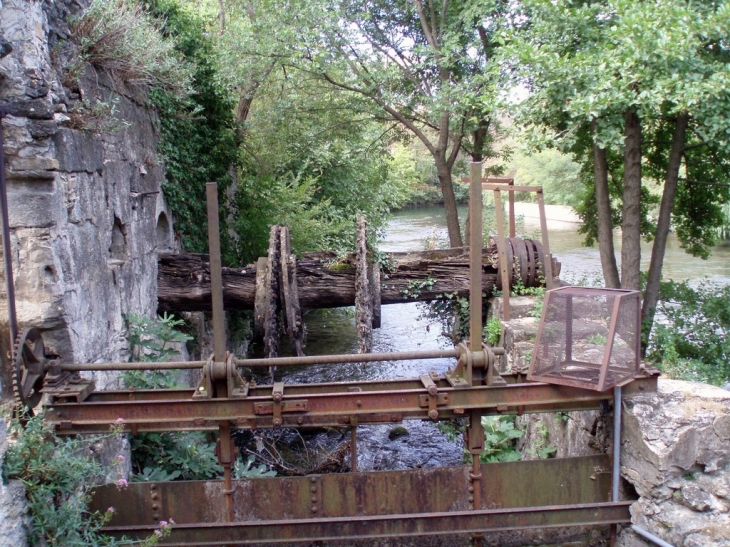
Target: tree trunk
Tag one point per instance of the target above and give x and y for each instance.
(605, 224)
(183, 281)
(631, 222)
(651, 294)
(447, 190)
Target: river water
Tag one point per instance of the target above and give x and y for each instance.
(403, 329)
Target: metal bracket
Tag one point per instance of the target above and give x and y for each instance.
(433, 396)
(474, 368)
(277, 394)
(236, 386)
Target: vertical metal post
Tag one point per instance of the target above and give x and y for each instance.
(504, 268)
(476, 447)
(353, 448)
(476, 432)
(7, 250)
(475, 257)
(616, 443)
(548, 265)
(512, 221)
(216, 280)
(569, 328)
(616, 473)
(225, 458)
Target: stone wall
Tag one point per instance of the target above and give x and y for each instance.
(86, 213)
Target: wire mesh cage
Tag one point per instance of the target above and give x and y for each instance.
(588, 338)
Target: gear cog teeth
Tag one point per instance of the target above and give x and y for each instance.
(24, 366)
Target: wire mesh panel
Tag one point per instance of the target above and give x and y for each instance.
(588, 337)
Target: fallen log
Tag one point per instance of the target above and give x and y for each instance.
(326, 282)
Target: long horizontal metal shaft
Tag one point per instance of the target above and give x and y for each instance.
(274, 361)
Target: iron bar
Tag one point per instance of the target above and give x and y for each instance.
(166, 365)
(475, 259)
(311, 408)
(547, 264)
(616, 443)
(334, 359)
(353, 448)
(511, 188)
(216, 279)
(502, 250)
(351, 358)
(377, 526)
(7, 249)
(651, 537)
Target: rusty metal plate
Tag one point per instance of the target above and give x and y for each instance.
(505, 485)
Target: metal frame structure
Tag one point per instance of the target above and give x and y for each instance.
(471, 499)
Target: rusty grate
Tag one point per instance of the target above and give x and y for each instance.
(588, 338)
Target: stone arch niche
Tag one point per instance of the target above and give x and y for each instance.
(118, 247)
(163, 233)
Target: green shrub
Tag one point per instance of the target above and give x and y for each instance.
(122, 39)
(59, 478)
(188, 455)
(691, 337)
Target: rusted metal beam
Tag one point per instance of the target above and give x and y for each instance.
(313, 406)
(380, 526)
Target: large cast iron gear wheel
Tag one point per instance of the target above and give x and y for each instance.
(30, 368)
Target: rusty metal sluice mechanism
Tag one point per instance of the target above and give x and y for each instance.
(471, 499)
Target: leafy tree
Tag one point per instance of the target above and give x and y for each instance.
(554, 171)
(424, 68)
(636, 89)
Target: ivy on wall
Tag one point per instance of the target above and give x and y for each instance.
(197, 137)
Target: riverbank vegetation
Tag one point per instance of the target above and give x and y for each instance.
(310, 113)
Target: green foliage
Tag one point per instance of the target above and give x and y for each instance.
(122, 39)
(540, 447)
(597, 339)
(501, 437)
(691, 340)
(452, 429)
(197, 137)
(415, 287)
(556, 172)
(247, 469)
(188, 455)
(152, 341)
(493, 331)
(451, 311)
(59, 478)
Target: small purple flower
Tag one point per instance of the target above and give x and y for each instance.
(158, 533)
(111, 510)
(163, 524)
(122, 483)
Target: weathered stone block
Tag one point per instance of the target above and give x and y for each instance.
(78, 151)
(35, 109)
(31, 164)
(38, 210)
(42, 129)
